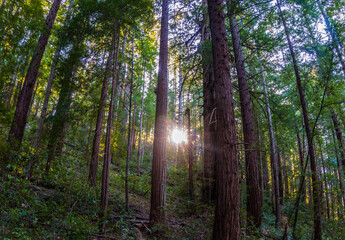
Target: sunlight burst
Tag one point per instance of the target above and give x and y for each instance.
(178, 136)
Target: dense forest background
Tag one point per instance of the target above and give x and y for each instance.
(142, 119)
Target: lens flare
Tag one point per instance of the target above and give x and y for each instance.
(178, 136)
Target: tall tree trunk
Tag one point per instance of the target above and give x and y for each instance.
(158, 175)
(208, 188)
(50, 84)
(254, 202)
(339, 170)
(301, 160)
(285, 176)
(107, 148)
(19, 121)
(273, 144)
(141, 124)
(280, 178)
(129, 132)
(190, 156)
(227, 212)
(99, 121)
(315, 181)
(46, 97)
(62, 108)
(325, 181)
(339, 135)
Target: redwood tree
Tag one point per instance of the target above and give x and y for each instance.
(314, 174)
(23, 105)
(227, 211)
(254, 199)
(158, 175)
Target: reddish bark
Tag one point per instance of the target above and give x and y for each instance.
(208, 185)
(19, 121)
(254, 200)
(99, 122)
(227, 212)
(158, 175)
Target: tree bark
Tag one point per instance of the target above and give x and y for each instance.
(49, 85)
(62, 108)
(190, 156)
(273, 145)
(16, 132)
(208, 187)
(325, 182)
(99, 122)
(107, 148)
(227, 212)
(340, 170)
(315, 181)
(141, 125)
(254, 201)
(158, 175)
(46, 97)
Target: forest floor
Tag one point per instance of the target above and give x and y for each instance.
(64, 206)
(182, 222)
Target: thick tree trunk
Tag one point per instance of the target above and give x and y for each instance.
(158, 175)
(315, 181)
(209, 119)
(273, 145)
(227, 212)
(19, 121)
(99, 121)
(254, 202)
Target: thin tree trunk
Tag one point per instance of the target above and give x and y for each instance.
(280, 178)
(254, 202)
(227, 212)
(325, 182)
(99, 122)
(315, 181)
(273, 144)
(301, 160)
(129, 138)
(62, 109)
(285, 176)
(46, 97)
(141, 124)
(340, 169)
(19, 121)
(332, 32)
(107, 148)
(190, 156)
(49, 85)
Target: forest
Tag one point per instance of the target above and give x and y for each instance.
(172, 119)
